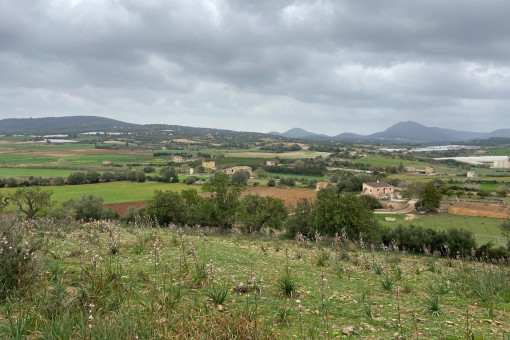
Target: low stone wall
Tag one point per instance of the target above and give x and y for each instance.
(394, 205)
(479, 209)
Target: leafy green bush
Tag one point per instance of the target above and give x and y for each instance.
(167, 207)
(88, 208)
(257, 212)
(21, 255)
(416, 238)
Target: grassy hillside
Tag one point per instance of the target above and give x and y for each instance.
(103, 281)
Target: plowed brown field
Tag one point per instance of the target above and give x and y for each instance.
(289, 196)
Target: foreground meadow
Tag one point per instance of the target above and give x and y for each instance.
(104, 280)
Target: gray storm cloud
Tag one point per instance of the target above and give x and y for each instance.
(327, 66)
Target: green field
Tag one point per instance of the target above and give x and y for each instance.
(20, 172)
(20, 159)
(47, 147)
(485, 229)
(272, 155)
(383, 161)
(114, 192)
(318, 178)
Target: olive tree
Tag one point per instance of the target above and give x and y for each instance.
(31, 200)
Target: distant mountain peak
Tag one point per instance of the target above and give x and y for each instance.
(294, 133)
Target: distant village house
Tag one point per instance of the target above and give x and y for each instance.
(471, 174)
(377, 189)
(321, 185)
(209, 165)
(177, 159)
(428, 170)
(233, 170)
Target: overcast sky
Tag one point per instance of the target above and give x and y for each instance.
(259, 65)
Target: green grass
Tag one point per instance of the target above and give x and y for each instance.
(273, 174)
(383, 161)
(19, 159)
(47, 147)
(485, 229)
(27, 172)
(114, 192)
(421, 178)
(272, 155)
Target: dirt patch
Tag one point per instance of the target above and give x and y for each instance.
(479, 209)
(289, 196)
(122, 208)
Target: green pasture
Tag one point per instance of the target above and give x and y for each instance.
(271, 155)
(47, 147)
(19, 172)
(422, 178)
(19, 159)
(384, 161)
(114, 192)
(485, 229)
(501, 151)
(274, 174)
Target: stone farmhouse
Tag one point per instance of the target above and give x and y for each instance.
(233, 170)
(177, 159)
(209, 165)
(377, 189)
(428, 170)
(321, 185)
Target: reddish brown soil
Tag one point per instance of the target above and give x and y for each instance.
(479, 209)
(289, 196)
(122, 208)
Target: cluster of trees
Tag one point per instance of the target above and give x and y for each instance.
(451, 242)
(166, 174)
(222, 207)
(34, 201)
(417, 239)
(333, 213)
(429, 195)
(300, 169)
(31, 181)
(352, 182)
(281, 148)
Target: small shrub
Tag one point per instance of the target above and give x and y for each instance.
(322, 259)
(287, 286)
(218, 293)
(432, 305)
(21, 255)
(378, 269)
(200, 273)
(283, 315)
(398, 274)
(387, 283)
